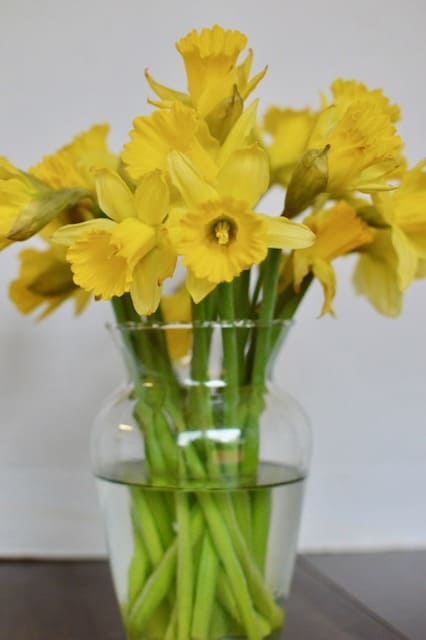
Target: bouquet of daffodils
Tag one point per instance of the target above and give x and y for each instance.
(172, 230)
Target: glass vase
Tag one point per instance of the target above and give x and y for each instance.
(201, 471)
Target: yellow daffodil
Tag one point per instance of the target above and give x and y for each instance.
(217, 232)
(73, 164)
(153, 137)
(176, 308)
(17, 191)
(180, 129)
(376, 274)
(364, 148)
(338, 231)
(27, 205)
(130, 250)
(61, 183)
(404, 210)
(45, 280)
(350, 90)
(289, 130)
(213, 76)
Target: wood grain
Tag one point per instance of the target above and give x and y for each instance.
(75, 601)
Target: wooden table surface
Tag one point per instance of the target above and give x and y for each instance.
(74, 601)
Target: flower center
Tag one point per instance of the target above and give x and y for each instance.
(223, 231)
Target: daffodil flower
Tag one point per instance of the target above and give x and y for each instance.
(74, 164)
(210, 59)
(180, 129)
(45, 280)
(364, 148)
(27, 205)
(175, 128)
(217, 232)
(397, 254)
(404, 210)
(129, 250)
(338, 231)
(58, 184)
(376, 274)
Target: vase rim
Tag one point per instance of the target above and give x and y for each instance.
(145, 325)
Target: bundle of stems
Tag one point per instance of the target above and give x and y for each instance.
(197, 570)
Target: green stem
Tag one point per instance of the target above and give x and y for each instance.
(261, 354)
(227, 599)
(171, 627)
(185, 570)
(231, 366)
(147, 526)
(242, 508)
(230, 354)
(288, 302)
(266, 315)
(139, 565)
(225, 550)
(261, 596)
(160, 582)
(261, 517)
(242, 294)
(256, 292)
(199, 394)
(205, 591)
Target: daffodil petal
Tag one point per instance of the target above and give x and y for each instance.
(252, 84)
(154, 136)
(301, 262)
(81, 300)
(98, 267)
(73, 164)
(198, 288)
(165, 93)
(243, 69)
(407, 258)
(152, 198)
(245, 176)
(282, 233)
(339, 230)
(325, 274)
(45, 281)
(114, 196)
(71, 233)
(133, 240)
(375, 279)
(239, 134)
(167, 256)
(192, 187)
(418, 241)
(146, 287)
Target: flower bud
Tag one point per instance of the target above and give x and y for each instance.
(224, 116)
(309, 179)
(40, 211)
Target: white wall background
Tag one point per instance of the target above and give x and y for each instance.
(65, 65)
